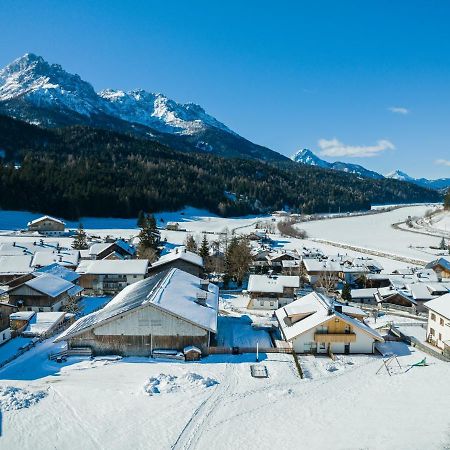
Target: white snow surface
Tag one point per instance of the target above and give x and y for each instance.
(237, 412)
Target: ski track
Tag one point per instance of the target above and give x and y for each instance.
(201, 418)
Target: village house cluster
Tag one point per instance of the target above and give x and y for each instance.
(312, 302)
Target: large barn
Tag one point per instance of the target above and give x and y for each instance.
(170, 310)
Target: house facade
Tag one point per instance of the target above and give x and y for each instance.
(317, 324)
(43, 293)
(111, 276)
(438, 326)
(5, 330)
(47, 225)
(271, 291)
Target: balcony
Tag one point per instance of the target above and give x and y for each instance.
(334, 337)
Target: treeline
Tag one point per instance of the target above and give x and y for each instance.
(80, 171)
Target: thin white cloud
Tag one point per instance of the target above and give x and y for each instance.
(443, 162)
(398, 110)
(334, 147)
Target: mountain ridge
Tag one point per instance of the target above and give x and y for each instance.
(307, 157)
(33, 90)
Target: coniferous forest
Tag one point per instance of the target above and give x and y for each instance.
(81, 171)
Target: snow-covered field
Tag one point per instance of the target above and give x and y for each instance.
(111, 403)
(374, 232)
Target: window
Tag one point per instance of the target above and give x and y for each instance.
(4, 336)
(441, 322)
(261, 303)
(322, 346)
(433, 316)
(440, 336)
(432, 331)
(41, 309)
(272, 304)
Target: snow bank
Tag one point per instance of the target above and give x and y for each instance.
(166, 384)
(13, 398)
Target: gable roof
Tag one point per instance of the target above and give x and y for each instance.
(63, 257)
(57, 270)
(174, 292)
(19, 264)
(273, 283)
(126, 247)
(443, 262)
(113, 267)
(440, 305)
(49, 285)
(40, 219)
(320, 310)
(182, 254)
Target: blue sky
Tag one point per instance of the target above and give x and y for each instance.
(364, 82)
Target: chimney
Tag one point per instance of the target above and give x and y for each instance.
(204, 284)
(201, 298)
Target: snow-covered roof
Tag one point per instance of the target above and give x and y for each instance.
(364, 293)
(182, 254)
(317, 309)
(63, 257)
(287, 253)
(21, 247)
(173, 291)
(43, 322)
(22, 315)
(40, 219)
(272, 283)
(58, 271)
(125, 246)
(49, 285)
(99, 247)
(19, 264)
(440, 305)
(321, 265)
(419, 291)
(113, 267)
(443, 262)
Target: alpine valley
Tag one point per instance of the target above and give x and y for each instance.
(70, 151)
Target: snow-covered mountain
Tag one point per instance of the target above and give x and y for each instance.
(45, 94)
(440, 184)
(307, 157)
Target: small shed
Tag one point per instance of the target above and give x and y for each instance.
(192, 353)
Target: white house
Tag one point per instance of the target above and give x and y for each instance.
(316, 324)
(170, 310)
(47, 225)
(271, 291)
(111, 275)
(438, 327)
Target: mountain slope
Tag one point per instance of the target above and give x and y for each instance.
(307, 157)
(45, 94)
(81, 171)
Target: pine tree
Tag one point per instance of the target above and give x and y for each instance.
(149, 236)
(442, 245)
(141, 219)
(80, 240)
(204, 248)
(190, 244)
(238, 259)
(346, 292)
